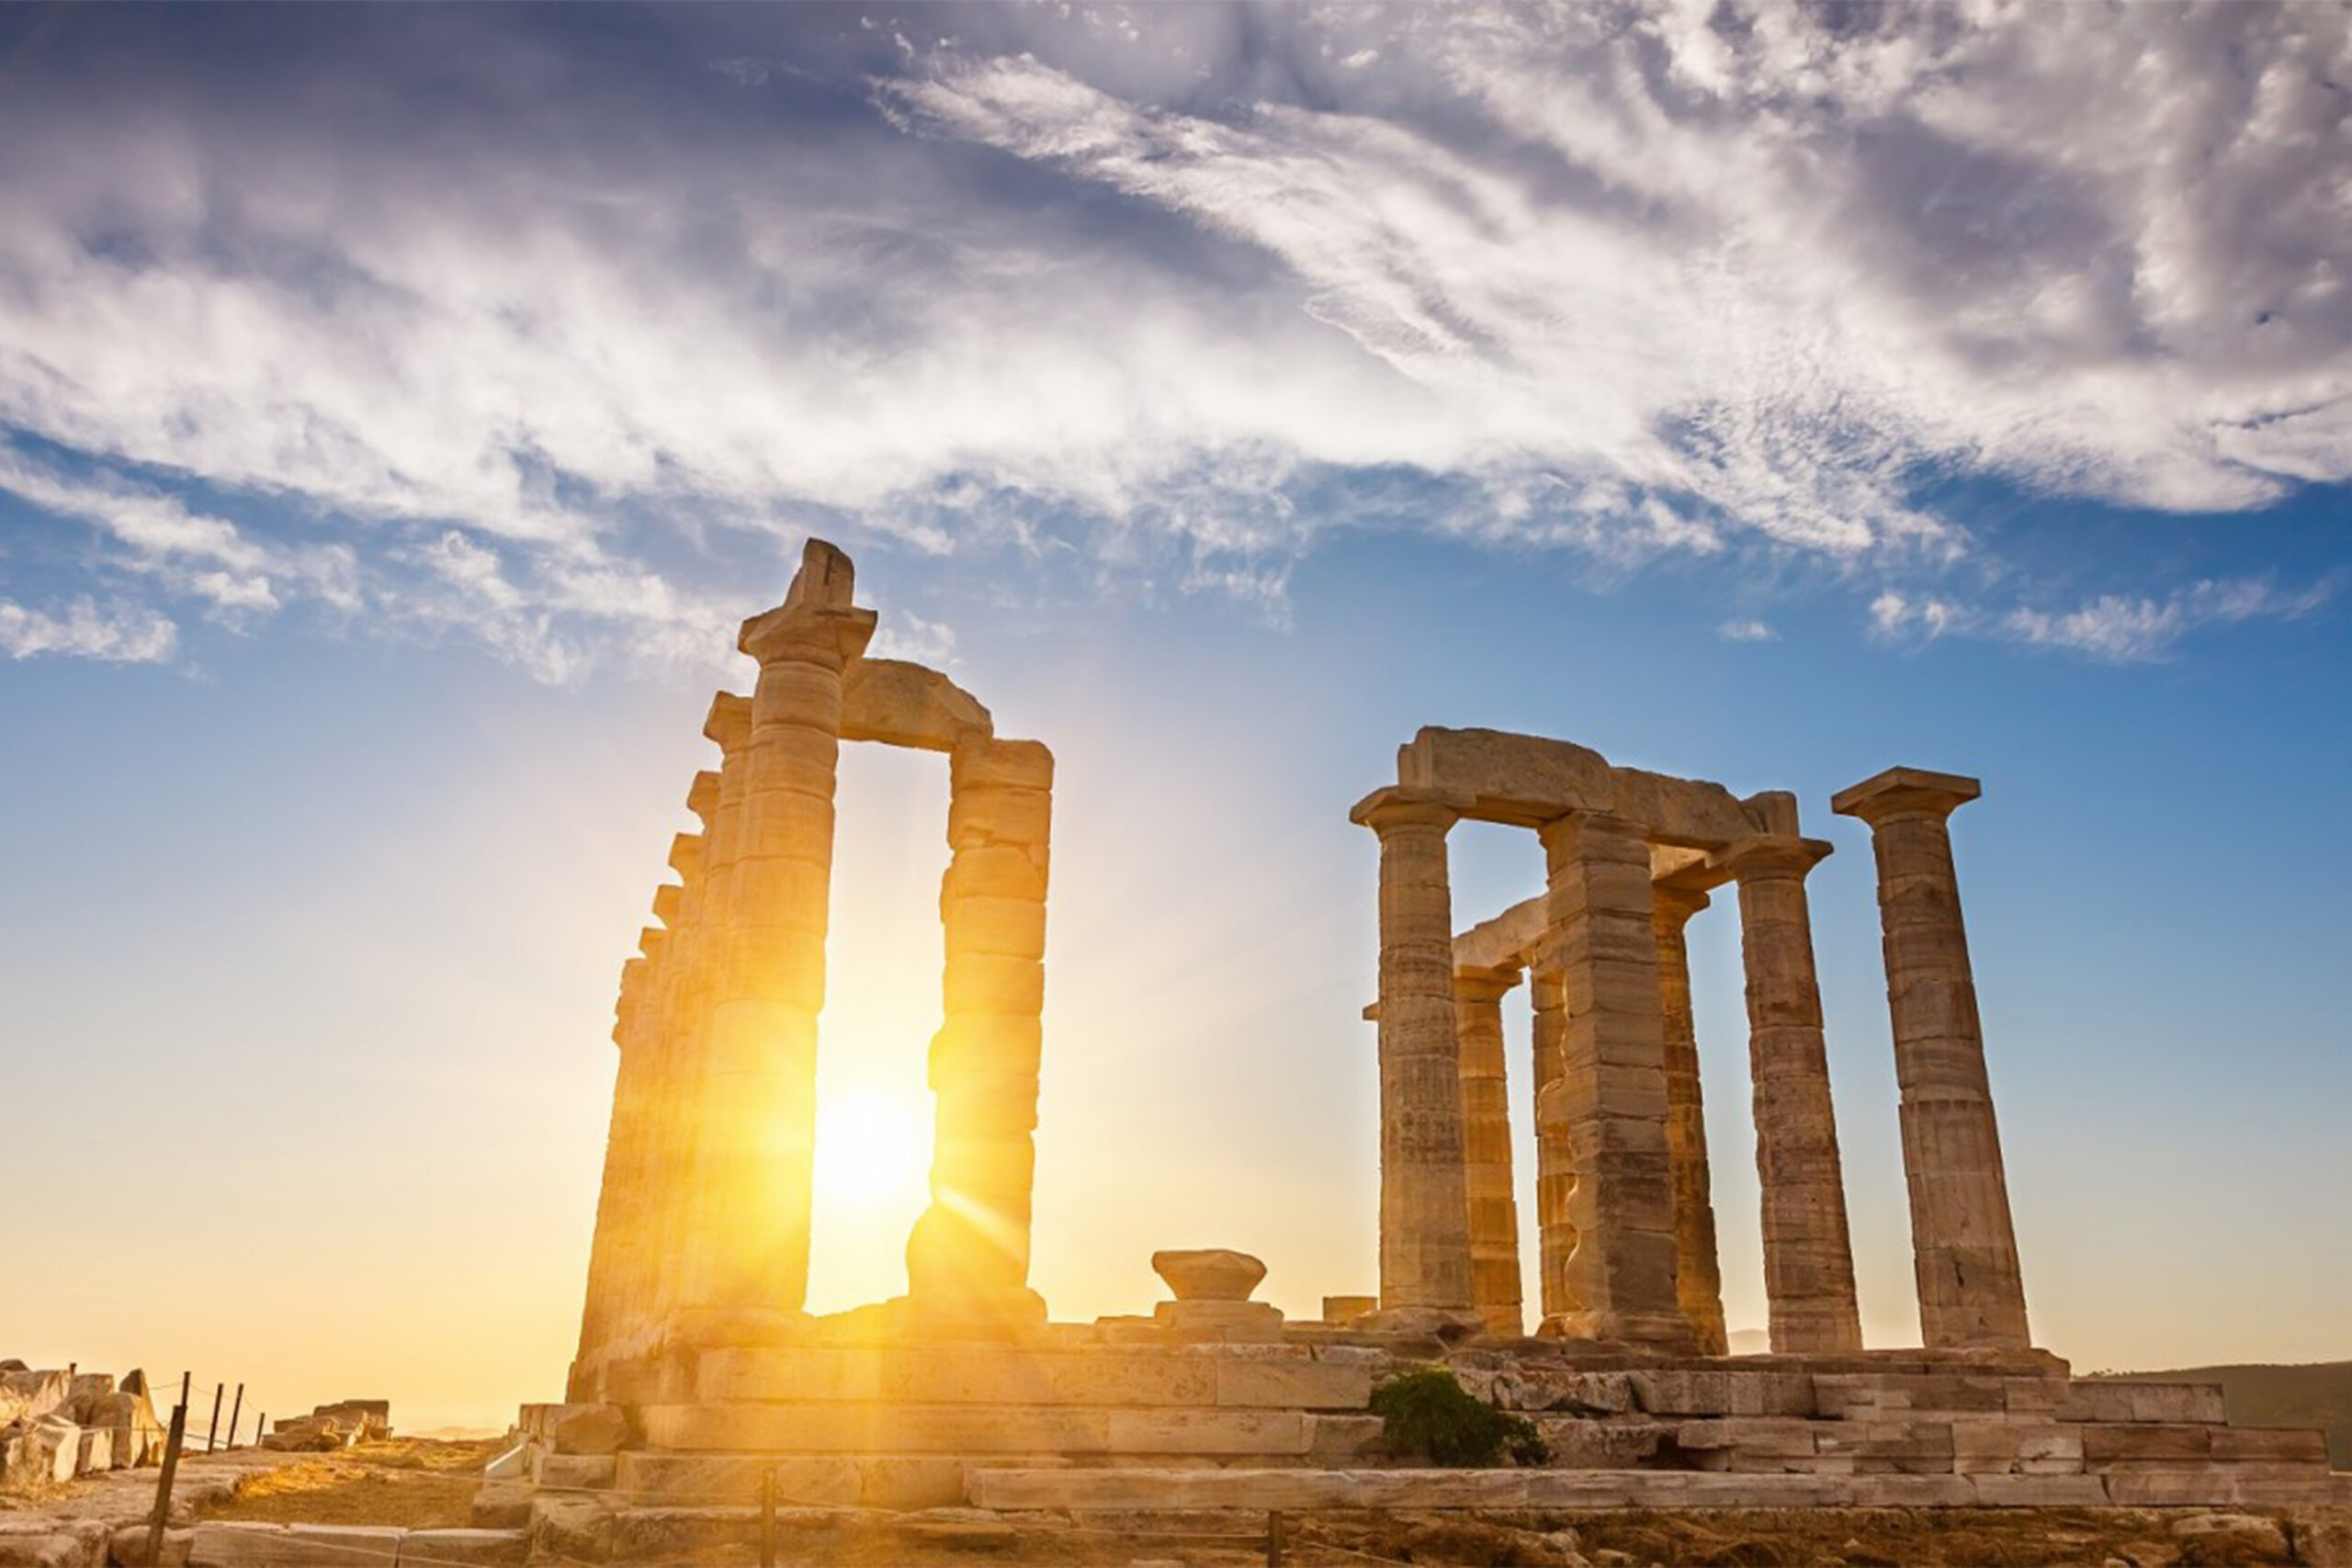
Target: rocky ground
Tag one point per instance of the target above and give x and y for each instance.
(420, 1485)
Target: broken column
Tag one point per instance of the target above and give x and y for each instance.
(1610, 1099)
(969, 1256)
(1486, 1140)
(1972, 1292)
(1808, 1258)
(746, 1257)
(1424, 1204)
(1697, 1275)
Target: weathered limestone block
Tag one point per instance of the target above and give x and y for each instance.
(126, 1548)
(644, 1476)
(594, 1429)
(1667, 1392)
(2104, 1445)
(570, 1529)
(501, 1505)
(1292, 1384)
(570, 1472)
(906, 705)
(473, 1548)
(2039, 1491)
(2090, 1400)
(1340, 1311)
(1209, 1274)
(1424, 1202)
(1538, 1388)
(1233, 1323)
(27, 1395)
(1580, 1443)
(95, 1451)
(1206, 1432)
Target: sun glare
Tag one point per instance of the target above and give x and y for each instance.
(872, 1152)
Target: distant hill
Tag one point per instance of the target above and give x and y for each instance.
(2319, 1394)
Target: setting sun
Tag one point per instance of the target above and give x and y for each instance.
(873, 1153)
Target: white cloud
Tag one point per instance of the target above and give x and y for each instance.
(1748, 630)
(2121, 629)
(1626, 281)
(119, 635)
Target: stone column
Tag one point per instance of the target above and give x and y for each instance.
(747, 1268)
(1697, 1273)
(1424, 1206)
(601, 1307)
(1610, 1100)
(1555, 1172)
(1808, 1260)
(718, 799)
(1972, 1292)
(968, 1258)
(1486, 1140)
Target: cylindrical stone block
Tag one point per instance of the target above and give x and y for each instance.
(1808, 1258)
(1698, 1272)
(1972, 1288)
(1424, 1204)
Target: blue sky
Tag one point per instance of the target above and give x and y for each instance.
(398, 409)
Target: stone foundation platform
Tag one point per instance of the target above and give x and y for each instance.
(1082, 1420)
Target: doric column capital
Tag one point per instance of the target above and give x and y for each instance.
(728, 725)
(1674, 901)
(1387, 810)
(686, 854)
(1562, 833)
(1484, 984)
(818, 622)
(665, 904)
(1753, 860)
(650, 941)
(1902, 793)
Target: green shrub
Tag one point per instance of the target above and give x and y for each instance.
(1428, 1414)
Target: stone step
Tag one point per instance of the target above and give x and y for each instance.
(1236, 1377)
(843, 1480)
(1114, 1490)
(877, 1428)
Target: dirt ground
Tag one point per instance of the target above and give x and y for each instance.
(418, 1484)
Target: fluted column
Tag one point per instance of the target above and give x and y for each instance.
(1808, 1258)
(747, 1266)
(1555, 1172)
(1424, 1206)
(1486, 1140)
(1697, 1273)
(1972, 1290)
(684, 1088)
(969, 1254)
(1612, 1094)
(602, 1306)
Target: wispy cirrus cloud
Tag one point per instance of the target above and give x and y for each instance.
(1167, 292)
(83, 629)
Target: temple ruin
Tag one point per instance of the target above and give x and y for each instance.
(1626, 1226)
(701, 1380)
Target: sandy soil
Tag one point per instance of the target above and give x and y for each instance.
(418, 1484)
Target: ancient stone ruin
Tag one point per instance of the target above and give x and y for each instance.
(59, 1424)
(1626, 1227)
(701, 1384)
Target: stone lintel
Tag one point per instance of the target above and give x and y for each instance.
(1504, 942)
(899, 703)
(1526, 781)
(1484, 984)
(1906, 792)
